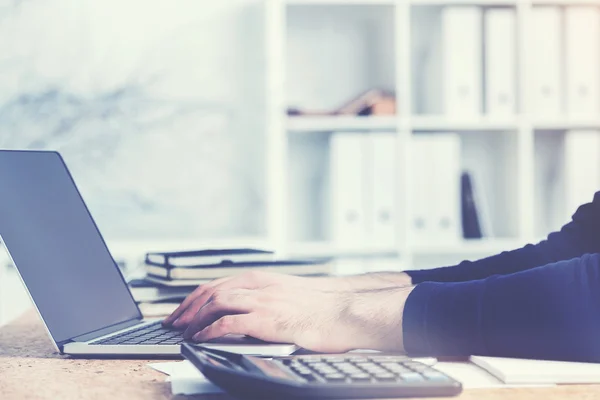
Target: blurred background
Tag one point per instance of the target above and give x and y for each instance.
(390, 134)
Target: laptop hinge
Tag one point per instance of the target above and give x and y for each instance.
(105, 331)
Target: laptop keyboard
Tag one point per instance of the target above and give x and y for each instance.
(153, 334)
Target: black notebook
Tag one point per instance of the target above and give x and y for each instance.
(292, 267)
(197, 258)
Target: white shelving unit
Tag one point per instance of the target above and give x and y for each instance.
(284, 132)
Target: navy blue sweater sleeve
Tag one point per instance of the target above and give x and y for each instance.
(578, 237)
(549, 312)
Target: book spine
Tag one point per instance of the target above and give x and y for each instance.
(158, 264)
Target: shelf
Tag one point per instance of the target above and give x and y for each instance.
(435, 123)
(327, 249)
(464, 2)
(418, 123)
(565, 3)
(467, 247)
(464, 247)
(567, 123)
(412, 2)
(342, 2)
(332, 124)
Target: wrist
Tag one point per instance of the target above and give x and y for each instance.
(380, 280)
(399, 279)
(378, 314)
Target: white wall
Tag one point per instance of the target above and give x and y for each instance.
(157, 106)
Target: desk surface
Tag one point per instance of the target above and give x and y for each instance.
(31, 369)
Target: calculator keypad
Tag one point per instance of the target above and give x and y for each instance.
(363, 369)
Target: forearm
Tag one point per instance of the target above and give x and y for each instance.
(550, 312)
(368, 281)
(578, 237)
(377, 312)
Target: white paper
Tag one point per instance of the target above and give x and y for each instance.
(522, 371)
(473, 377)
(185, 378)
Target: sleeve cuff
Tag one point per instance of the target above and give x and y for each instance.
(419, 276)
(444, 319)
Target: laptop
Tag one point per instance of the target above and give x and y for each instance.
(74, 282)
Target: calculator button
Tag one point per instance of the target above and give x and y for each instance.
(399, 370)
(401, 359)
(311, 360)
(412, 377)
(377, 371)
(385, 375)
(360, 377)
(334, 359)
(335, 377)
(328, 371)
(392, 365)
(351, 370)
(309, 378)
(322, 367)
(369, 365)
(435, 376)
(348, 367)
(303, 371)
(386, 379)
(357, 359)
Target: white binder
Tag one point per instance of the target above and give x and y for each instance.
(436, 211)
(445, 188)
(582, 168)
(582, 46)
(347, 182)
(383, 173)
(421, 224)
(546, 61)
(462, 61)
(500, 62)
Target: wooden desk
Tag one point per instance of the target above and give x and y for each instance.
(31, 369)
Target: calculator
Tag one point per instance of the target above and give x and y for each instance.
(330, 376)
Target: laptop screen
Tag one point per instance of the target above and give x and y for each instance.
(57, 248)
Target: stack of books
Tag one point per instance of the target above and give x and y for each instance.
(171, 276)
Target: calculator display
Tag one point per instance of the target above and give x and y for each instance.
(270, 368)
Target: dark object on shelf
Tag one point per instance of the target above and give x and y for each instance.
(470, 218)
(371, 102)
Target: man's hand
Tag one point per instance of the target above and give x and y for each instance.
(326, 315)
(183, 315)
(314, 319)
